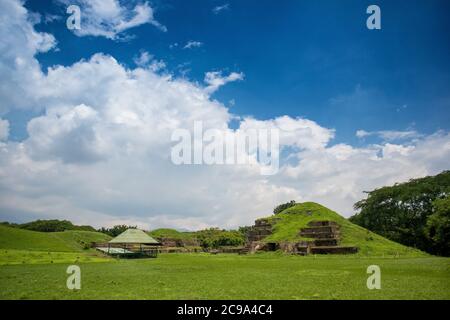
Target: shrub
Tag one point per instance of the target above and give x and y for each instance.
(284, 206)
(215, 238)
(48, 225)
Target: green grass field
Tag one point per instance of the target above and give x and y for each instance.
(13, 257)
(228, 276)
(33, 266)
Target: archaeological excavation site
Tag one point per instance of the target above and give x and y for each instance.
(321, 237)
(303, 229)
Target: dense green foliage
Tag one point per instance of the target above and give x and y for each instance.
(232, 276)
(438, 226)
(116, 230)
(244, 230)
(401, 212)
(280, 208)
(215, 238)
(49, 226)
(288, 223)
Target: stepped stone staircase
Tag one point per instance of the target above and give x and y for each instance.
(258, 232)
(326, 235)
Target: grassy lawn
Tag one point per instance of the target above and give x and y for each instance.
(13, 257)
(227, 276)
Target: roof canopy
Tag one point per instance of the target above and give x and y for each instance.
(134, 236)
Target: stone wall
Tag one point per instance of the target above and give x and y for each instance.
(172, 243)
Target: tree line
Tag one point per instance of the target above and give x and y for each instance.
(415, 213)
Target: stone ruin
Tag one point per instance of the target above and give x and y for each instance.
(171, 245)
(326, 235)
(260, 230)
(325, 238)
(256, 234)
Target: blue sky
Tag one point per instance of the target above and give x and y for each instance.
(86, 116)
(313, 59)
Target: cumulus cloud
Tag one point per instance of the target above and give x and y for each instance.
(300, 133)
(111, 18)
(66, 134)
(215, 80)
(19, 70)
(99, 152)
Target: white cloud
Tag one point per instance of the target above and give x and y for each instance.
(389, 135)
(215, 80)
(362, 133)
(111, 18)
(19, 70)
(300, 133)
(66, 134)
(143, 59)
(49, 18)
(391, 150)
(193, 44)
(337, 175)
(4, 129)
(219, 9)
(100, 151)
(146, 60)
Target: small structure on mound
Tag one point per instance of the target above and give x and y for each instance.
(132, 243)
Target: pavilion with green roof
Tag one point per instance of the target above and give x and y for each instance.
(131, 243)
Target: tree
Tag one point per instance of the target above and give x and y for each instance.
(284, 206)
(401, 212)
(116, 230)
(215, 238)
(438, 226)
(48, 225)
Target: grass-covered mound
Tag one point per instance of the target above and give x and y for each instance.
(172, 234)
(67, 241)
(288, 223)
